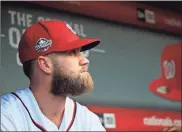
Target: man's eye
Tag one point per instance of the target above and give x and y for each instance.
(74, 53)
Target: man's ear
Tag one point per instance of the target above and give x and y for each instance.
(45, 64)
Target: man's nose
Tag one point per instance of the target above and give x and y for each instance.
(83, 60)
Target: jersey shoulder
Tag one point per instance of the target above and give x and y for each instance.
(8, 103)
(11, 111)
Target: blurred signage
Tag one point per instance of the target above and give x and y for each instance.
(124, 12)
(107, 119)
(131, 119)
(145, 15)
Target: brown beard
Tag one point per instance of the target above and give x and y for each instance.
(64, 85)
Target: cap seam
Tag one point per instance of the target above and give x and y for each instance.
(44, 29)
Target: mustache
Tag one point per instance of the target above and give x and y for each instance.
(84, 69)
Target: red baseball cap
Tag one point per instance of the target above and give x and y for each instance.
(169, 84)
(46, 37)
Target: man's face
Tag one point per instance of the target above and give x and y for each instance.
(70, 76)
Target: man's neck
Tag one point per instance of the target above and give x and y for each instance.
(51, 106)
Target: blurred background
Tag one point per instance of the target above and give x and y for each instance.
(133, 37)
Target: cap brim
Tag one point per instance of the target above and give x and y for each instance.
(173, 95)
(84, 44)
(90, 43)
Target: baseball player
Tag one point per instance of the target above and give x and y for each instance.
(50, 52)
